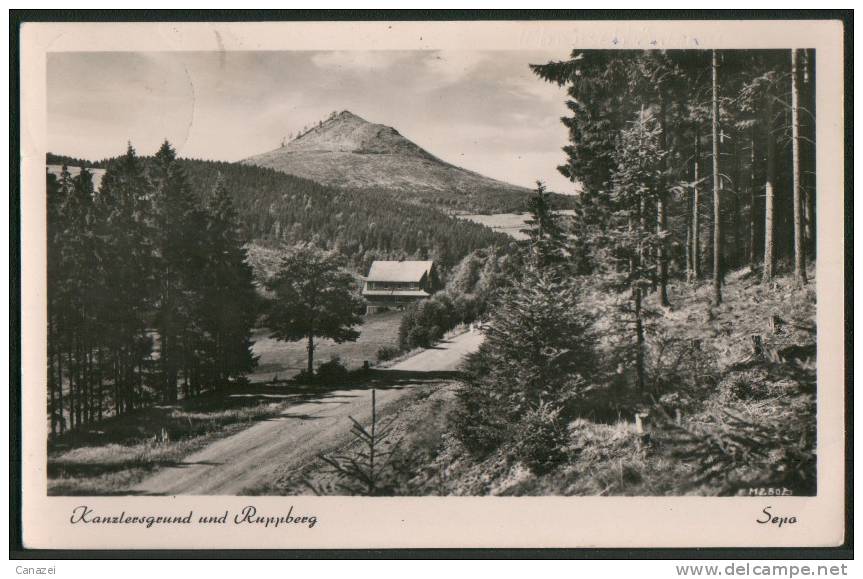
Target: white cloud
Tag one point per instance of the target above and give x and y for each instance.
(451, 66)
(534, 87)
(346, 60)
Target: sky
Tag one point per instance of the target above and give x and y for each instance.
(484, 111)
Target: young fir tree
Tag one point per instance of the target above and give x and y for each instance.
(539, 350)
(638, 177)
(314, 298)
(546, 238)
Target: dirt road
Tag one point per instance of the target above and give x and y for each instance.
(317, 424)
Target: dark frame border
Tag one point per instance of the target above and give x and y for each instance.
(19, 17)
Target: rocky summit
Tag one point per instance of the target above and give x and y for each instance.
(348, 151)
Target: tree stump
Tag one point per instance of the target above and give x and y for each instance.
(757, 344)
(775, 324)
(643, 426)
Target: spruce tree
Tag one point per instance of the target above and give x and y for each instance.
(640, 160)
(230, 299)
(56, 280)
(546, 238)
(130, 276)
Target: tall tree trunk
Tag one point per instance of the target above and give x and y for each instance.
(809, 156)
(637, 296)
(61, 415)
(696, 252)
(639, 341)
(101, 394)
(70, 370)
(687, 252)
(799, 251)
(753, 207)
(809, 163)
(52, 384)
(661, 216)
(310, 347)
(769, 243)
(116, 369)
(88, 380)
(717, 217)
(738, 191)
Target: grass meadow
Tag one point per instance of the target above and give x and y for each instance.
(283, 360)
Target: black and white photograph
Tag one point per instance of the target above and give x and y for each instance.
(377, 273)
(545, 270)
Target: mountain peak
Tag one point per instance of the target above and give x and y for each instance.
(348, 151)
(349, 133)
(348, 115)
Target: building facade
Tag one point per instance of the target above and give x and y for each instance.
(395, 284)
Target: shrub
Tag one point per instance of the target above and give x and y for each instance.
(332, 371)
(386, 353)
(481, 419)
(540, 438)
(303, 377)
(427, 321)
(675, 364)
(750, 385)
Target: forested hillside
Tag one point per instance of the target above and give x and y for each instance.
(276, 208)
(151, 293)
(361, 225)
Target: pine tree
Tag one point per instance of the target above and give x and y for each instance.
(56, 280)
(230, 300)
(129, 275)
(177, 227)
(80, 256)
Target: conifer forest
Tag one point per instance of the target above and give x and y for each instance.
(649, 331)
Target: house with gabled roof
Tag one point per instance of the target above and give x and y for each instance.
(395, 284)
